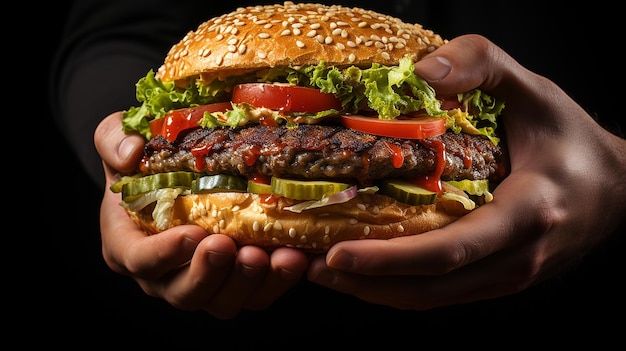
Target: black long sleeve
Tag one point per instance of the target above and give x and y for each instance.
(106, 48)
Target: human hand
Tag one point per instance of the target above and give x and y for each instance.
(563, 198)
(185, 265)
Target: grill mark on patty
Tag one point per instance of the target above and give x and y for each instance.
(317, 152)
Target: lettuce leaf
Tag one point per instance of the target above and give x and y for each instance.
(390, 91)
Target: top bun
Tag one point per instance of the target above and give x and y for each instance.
(258, 37)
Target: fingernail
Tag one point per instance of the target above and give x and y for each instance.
(220, 259)
(434, 69)
(342, 261)
(125, 149)
(251, 271)
(190, 245)
(289, 275)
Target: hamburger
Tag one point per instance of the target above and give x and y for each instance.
(303, 125)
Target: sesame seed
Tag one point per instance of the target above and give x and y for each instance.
(400, 228)
(278, 226)
(299, 44)
(353, 221)
(366, 230)
(285, 32)
(264, 35)
(292, 232)
(256, 226)
(303, 239)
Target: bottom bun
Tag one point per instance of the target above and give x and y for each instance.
(250, 219)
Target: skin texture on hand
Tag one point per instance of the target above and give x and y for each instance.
(563, 198)
(185, 265)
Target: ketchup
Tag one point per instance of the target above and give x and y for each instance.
(397, 158)
(251, 155)
(199, 152)
(432, 181)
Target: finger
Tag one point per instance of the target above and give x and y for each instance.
(465, 63)
(488, 229)
(129, 250)
(119, 150)
(251, 266)
(287, 266)
(472, 61)
(192, 285)
(499, 275)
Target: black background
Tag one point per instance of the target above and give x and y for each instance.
(77, 300)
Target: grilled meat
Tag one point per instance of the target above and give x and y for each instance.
(320, 151)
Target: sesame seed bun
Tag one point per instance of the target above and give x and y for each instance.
(257, 37)
(251, 221)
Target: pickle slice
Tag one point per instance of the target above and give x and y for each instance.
(472, 187)
(218, 183)
(117, 186)
(259, 188)
(180, 179)
(306, 189)
(408, 193)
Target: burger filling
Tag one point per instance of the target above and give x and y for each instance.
(316, 135)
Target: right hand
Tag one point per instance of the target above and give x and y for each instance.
(185, 265)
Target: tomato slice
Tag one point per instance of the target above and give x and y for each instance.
(178, 120)
(410, 128)
(285, 98)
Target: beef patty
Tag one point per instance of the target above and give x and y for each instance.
(321, 152)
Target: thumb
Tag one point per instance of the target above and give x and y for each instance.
(117, 149)
(465, 63)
